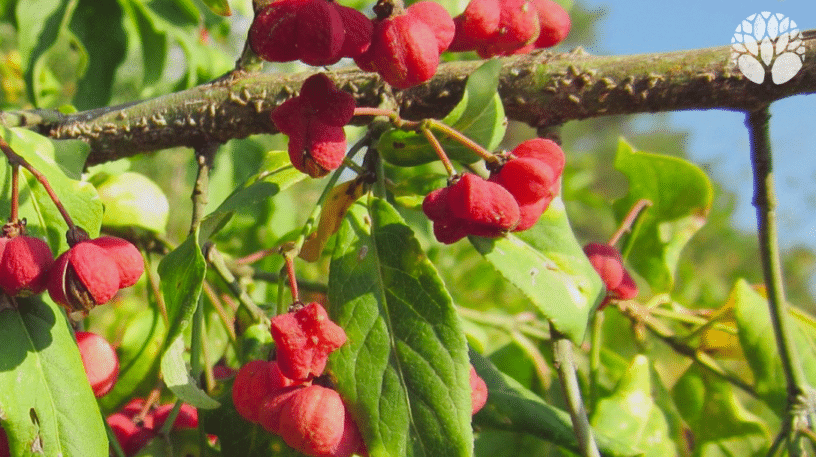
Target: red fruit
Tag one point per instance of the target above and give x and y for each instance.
(304, 340)
(437, 18)
(313, 421)
(24, 264)
(404, 51)
(323, 100)
(554, 21)
(544, 150)
(608, 263)
(476, 24)
(358, 29)
(272, 34)
(478, 392)
(128, 259)
(314, 122)
(83, 277)
(518, 26)
(4, 444)
(130, 436)
(100, 362)
(186, 418)
(254, 381)
(269, 412)
(319, 32)
(528, 180)
(485, 204)
(530, 213)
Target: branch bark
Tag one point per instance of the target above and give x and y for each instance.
(541, 89)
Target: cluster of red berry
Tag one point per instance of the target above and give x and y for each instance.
(88, 274)
(134, 427)
(608, 263)
(282, 396)
(505, 27)
(403, 45)
(520, 188)
(314, 122)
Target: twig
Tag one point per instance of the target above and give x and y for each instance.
(765, 203)
(565, 365)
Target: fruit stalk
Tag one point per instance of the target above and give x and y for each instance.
(15, 158)
(15, 193)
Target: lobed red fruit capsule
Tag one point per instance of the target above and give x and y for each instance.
(317, 32)
(100, 361)
(186, 418)
(24, 264)
(314, 122)
(518, 27)
(314, 421)
(304, 340)
(471, 206)
(92, 271)
(478, 391)
(254, 381)
(405, 48)
(487, 206)
(131, 437)
(128, 259)
(437, 18)
(608, 263)
(554, 21)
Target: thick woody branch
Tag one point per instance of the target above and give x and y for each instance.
(540, 89)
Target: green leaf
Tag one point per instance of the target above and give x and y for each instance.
(219, 7)
(79, 198)
(139, 355)
(550, 268)
(721, 424)
(39, 23)
(182, 277)
(404, 370)
(98, 25)
(512, 407)
(632, 413)
(153, 40)
(177, 377)
(44, 392)
(479, 116)
(758, 342)
(276, 174)
(681, 196)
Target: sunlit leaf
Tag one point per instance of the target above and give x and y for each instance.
(512, 407)
(680, 194)
(44, 392)
(632, 413)
(550, 268)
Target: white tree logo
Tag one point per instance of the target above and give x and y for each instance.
(766, 41)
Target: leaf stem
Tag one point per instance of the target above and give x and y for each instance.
(565, 365)
(596, 339)
(15, 193)
(215, 259)
(15, 159)
(629, 220)
(461, 138)
(765, 203)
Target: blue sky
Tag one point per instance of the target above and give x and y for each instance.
(719, 140)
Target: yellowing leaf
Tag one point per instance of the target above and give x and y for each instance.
(334, 210)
